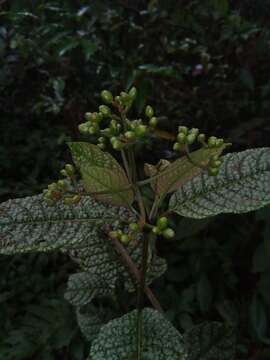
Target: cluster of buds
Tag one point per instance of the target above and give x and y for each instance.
(125, 236)
(58, 190)
(163, 229)
(190, 136)
(214, 165)
(112, 128)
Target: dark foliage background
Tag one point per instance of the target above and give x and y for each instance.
(55, 58)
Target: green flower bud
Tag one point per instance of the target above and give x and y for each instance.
(83, 128)
(213, 171)
(215, 158)
(134, 227)
(124, 96)
(124, 239)
(61, 184)
(183, 129)
(156, 230)
(106, 96)
(141, 130)
(130, 135)
(162, 223)
(117, 145)
(194, 131)
(191, 138)
(70, 169)
(216, 164)
(176, 147)
(133, 93)
(105, 110)
(181, 138)
(96, 117)
(168, 233)
(52, 187)
(88, 116)
(153, 121)
(219, 142)
(149, 111)
(102, 139)
(113, 139)
(212, 142)
(113, 234)
(201, 138)
(64, 173)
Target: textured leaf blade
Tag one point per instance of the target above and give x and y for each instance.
(118, 339)
(30, 224)
(101, 172)
(210, 341)
(183, 170)
(83, 287)
(242, 185)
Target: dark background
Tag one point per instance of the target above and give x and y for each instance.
(55, 58)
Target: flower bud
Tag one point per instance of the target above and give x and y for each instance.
(201, 138)
(156, 230)
(194, 131)
(183, 129)
(212, 142)
(124, 96)
(153, 121)
(105, 110)
(61, 185)
(213, 171)
(168, 233)
(88, 116)
(64, 173)
(149, 111)
(181, 138)
(107, 96)
(162, 223)
(117, 145)
(133, 227)
(191, 138)
(83, 128)
(176, 147)
(133, 93)
(102, 146)
(141, 130)
(130, 135)
(70, 169)
(124, 239)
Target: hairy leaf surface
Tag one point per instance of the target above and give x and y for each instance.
(101, 172)
(117, 340)
(242, 185)
(210, 341)
(183, 170)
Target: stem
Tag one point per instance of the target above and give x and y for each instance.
(128, 262)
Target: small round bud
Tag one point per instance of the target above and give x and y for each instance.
(130, 135)
(83, 128)
(162, 223)
(113, 234)
(212, 141)
(149, 111)
(117, 145)
(219, 142)
(168, 233)
(64, 173)
(156, 230)
(153, 121)
(105, 110)
(191, 138)
(124, 239)
(213, 171)
(106, 96)
(124, 96)
(69, 169)
(133, 93)
(113, 139)
(194, 131)
(181, 138)
(92, 130)
(201, 138)
(133, 227)
(61, 184)
(141, 130)
(176, 147)
(216, 164)
(102, 139)
(88, 116)
(183, 129)
(52, 187)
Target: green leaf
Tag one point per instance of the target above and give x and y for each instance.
(210, 341)
(242, 185)
(90, 322)
(83, 287)
(101, 172)
(183, 170)
(117, 340)
(30, 224)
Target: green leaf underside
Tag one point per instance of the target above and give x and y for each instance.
(210, 341)
(242, 185)
(101, 172)
(30, 224)
(117, 340)
(183, 170)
